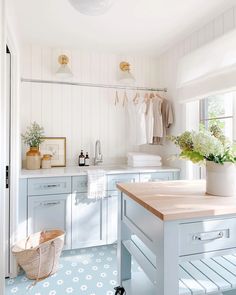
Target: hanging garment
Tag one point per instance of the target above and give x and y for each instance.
(137, 122)
(157, 115)
(149, 121)
(141, 137)
(167, 121)
(167, 113)
(131, 122)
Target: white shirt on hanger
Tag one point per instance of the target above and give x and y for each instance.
(136, 113)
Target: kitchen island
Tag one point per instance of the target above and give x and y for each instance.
(183, 239)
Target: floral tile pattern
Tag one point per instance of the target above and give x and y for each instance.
(90, 271)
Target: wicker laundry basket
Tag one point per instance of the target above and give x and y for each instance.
(39, 254)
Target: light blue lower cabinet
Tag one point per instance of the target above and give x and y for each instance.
(50, 212)
(112, 216)
(88, 221)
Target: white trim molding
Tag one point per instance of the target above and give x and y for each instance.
(2, 145)
(15, 143)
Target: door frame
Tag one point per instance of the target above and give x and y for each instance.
(2, 145)
(7, 37)
(15, 157)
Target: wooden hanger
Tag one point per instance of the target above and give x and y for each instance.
(151, 96)
(116, 98)
(146, 97)
(158, 95)
(136, 98)
(125, 99)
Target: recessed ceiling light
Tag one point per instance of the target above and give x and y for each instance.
(92, 7)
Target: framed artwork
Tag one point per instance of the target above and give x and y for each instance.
(56, 147)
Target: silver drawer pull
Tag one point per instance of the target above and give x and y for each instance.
(51, 185)
(108, 197)
(50, 203)
(208, 236)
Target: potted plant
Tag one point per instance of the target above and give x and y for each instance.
(33, 138)
(218, 153)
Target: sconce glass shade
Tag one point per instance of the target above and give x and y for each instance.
(92, 7)
(125, 76)
(64, 72)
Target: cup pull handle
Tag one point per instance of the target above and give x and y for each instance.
(208, 236)
(50, 203)
(52, 185)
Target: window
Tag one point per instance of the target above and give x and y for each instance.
(219, 109)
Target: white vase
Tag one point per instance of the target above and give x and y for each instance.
(221, 179)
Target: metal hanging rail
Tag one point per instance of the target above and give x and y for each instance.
(92, 85)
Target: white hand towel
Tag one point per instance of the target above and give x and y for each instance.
(96, 184)
(142, 156)
(144, 163)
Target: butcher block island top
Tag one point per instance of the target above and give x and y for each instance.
(174, 200)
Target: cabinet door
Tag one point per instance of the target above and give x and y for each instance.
(112, 216)
(50, 212)
(88, 221)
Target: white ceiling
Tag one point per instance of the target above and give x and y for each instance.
(140, 26)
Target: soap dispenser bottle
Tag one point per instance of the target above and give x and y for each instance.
(87, 160)
(81, 159)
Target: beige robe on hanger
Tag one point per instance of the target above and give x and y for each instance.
(167, 121)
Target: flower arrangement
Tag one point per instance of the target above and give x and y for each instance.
(207, 145)
(33, 135)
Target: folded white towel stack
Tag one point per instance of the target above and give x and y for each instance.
(143, 159)
(96, 184)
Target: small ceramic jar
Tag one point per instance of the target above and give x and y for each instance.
(46, 161)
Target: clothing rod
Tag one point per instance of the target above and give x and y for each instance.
(92, 85)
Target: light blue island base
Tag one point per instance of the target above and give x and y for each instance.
(192, 256)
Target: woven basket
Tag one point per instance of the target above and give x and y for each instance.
(39, 254)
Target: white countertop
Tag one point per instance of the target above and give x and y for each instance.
(78, 171)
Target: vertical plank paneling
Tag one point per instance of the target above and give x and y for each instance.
(66, 130)
(36, 95)
(81, 114)
(228, 20)
(218, 26)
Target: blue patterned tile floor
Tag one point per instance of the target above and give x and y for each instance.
(90, 271)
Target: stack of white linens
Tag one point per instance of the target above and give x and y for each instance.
(143, 160)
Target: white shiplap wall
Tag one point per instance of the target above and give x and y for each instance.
(81, 114)
(168, 63)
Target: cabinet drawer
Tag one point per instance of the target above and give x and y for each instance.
(80, 184)
(112, 180)
(207, 236)
(49, 185)
(157, 176)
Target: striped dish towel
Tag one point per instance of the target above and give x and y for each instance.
(96, 184)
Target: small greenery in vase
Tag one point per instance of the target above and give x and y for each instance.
(33, 135)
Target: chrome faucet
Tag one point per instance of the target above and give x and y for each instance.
(98, 153)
